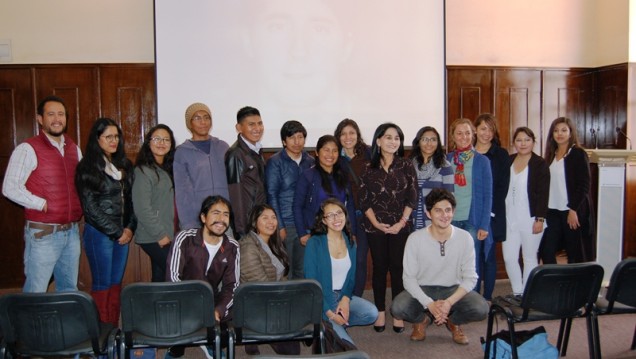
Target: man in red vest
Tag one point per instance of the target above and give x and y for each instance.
(40, 177)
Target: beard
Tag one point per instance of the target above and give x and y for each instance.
(209, 229)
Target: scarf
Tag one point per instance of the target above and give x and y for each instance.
(461, 156)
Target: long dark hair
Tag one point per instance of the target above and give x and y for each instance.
(337, 174)
(145, 158)
(376, 154)
(275, 244)
(90, 170)
(360, 149)
(550, 143)
(321, 228)
(438, 156)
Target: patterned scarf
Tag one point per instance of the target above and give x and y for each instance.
(461, 156)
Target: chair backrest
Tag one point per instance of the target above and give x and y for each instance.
(354, 354)
(277, 308)
(562, 289)
(167, 311)
(49, 323)
(622, 287)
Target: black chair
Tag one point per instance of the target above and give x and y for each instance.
(54, 324)
(553, 291)
(269, 312)
(168, 314)
(620, 297)
(354, 354)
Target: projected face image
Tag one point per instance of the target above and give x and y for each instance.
(298, 49)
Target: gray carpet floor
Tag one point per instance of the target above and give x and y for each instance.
(616, 336)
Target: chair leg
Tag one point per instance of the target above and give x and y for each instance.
(593, 339)
(513, 342)
(564, 336)
(491, 317)
(634, 339)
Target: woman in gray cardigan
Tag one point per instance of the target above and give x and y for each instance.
(153, 198)
(263, 259)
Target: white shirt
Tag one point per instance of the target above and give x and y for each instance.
(339, 269)
(558, 198)
(212, 249)
(22, 163)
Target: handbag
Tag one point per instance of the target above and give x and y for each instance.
(333, 343)
(530, 344)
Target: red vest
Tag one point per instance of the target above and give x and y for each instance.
(54, 180)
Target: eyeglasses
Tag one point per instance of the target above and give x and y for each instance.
(205, 118)
(111, 138)
(428, 139)
(334, 215)
(158, 140)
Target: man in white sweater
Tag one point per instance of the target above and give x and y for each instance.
(439, 274)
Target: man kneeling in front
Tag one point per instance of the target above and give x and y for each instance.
(439, 274)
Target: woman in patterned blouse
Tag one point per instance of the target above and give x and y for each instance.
(388, 194)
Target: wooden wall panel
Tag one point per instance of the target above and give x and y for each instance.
(611, 89)
(470, 93)
(517, 103)
(18, 118)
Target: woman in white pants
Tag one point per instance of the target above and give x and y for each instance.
(526, 208)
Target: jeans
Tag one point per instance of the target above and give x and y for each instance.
(56, 254)
(158, 258)
(295, 253)
(471, 308)
(485, 263)
(361, 312)
(362, 251)
(106, 257)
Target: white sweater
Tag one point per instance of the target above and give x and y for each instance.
(425, 266)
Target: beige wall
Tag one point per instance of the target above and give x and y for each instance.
(537, 33)
(78, 31)
(632, 31)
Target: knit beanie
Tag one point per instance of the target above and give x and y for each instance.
(197, 106)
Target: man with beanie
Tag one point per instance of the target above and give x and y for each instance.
(41, 178)
(245, 167)
(198, 167)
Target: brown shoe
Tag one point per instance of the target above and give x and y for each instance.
(419, 329)
(458, 335)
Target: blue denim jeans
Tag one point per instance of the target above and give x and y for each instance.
(107, 258)
(56, 254)
(361, 312)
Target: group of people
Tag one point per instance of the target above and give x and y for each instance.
(206, 210)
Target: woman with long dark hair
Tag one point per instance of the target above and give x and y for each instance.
(388, 195)
(570, 222)
(354, 156)
(153, 197)
(104, 180)
(264, 259)
(330, 259)
(432, 169)
(526, 208)
(325, 179)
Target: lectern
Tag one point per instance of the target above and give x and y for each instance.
(611, 205)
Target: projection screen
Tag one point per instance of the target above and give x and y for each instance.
(314, 61)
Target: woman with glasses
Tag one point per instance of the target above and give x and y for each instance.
(326, 179)
(388, 195)
(330, 258)
(104, 180)
(153, 198)
(432, 169)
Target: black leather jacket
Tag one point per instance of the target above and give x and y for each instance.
(110, 209)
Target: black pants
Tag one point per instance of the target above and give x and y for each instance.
(158, 257)
(387, 252)
(559, 235)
